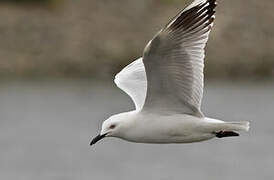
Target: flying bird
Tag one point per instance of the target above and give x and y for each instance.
(166, 86)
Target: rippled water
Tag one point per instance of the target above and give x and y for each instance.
(46, 127)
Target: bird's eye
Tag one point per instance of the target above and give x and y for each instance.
(112, 126)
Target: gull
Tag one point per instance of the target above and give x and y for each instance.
(166, 86)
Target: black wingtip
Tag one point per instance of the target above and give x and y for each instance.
(193, 16)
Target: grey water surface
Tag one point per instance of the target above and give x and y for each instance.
(46, 127)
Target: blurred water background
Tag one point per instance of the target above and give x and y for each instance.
(57, 62)
(46, 128)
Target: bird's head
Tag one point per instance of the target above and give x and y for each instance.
(112, 127)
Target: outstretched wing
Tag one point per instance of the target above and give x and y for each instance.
(174, 61)
(132, 80)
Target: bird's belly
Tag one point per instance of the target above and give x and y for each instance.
(161, 139)
(171, 130)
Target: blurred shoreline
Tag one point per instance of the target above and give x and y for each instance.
(109, 82)
(96, 39)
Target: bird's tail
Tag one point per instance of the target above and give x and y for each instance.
(219, 125)
(236, 126)
(226, 129)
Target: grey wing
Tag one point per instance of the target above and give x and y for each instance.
(174, 61)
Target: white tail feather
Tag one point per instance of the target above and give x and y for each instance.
(237, 126)
(218, 125)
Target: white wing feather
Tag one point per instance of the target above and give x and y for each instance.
(132, 80)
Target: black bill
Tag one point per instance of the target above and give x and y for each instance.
(97, 138)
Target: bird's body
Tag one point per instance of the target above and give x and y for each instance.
(170, 128)
(166, 86)
(173, 128)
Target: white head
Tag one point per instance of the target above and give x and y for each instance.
(114, 126)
